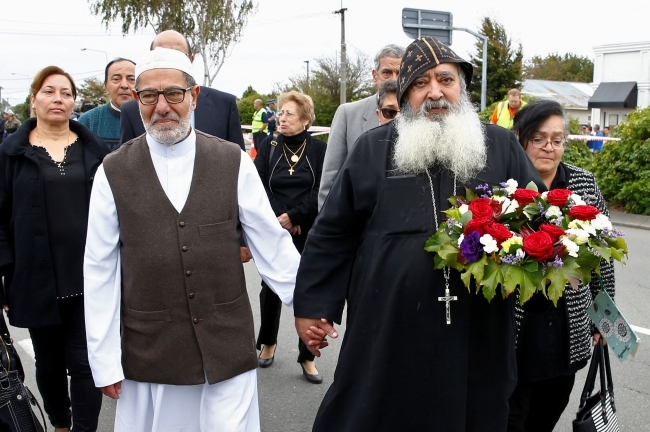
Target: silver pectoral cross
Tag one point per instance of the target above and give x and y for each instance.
(447, 298)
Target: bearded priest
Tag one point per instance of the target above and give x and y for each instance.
(414, 357)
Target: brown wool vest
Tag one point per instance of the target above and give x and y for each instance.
(185, 310)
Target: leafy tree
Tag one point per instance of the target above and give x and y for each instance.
(92, 90)
(555, 67)
(22, 110)
(245, 104)
(504, 68)
(212, 26)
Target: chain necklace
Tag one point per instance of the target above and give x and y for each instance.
(445, 270)
(295, 159)
(65, 153)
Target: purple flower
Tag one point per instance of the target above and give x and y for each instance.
(511, 259)
(557, 263)
(471, 247)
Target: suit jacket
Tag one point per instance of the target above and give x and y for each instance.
(216, 114)
(350, 121)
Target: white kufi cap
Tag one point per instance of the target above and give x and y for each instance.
(164, 58)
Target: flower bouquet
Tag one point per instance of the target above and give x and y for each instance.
(514, 237)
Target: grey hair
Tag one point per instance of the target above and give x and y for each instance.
(386, 88)
(390, 50)
(191, 82)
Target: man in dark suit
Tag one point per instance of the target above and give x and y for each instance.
(216, 112)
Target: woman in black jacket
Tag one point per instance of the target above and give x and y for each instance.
(47, 171)
(553, 343)
(290, 166)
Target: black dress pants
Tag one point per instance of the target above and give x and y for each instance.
(537, 406)
(270, 309)
(61, 350)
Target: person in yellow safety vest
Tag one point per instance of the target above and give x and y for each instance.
(505, 110)
(260, 123)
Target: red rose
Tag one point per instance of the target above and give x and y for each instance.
(538, 245)
(525, 196)
(558, 197)
(583, 212)
(478, 225)
(554, 231)
(481, 208)
(499, 232)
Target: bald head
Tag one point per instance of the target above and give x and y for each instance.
(173, 40)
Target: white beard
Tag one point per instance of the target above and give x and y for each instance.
(454, 141)
(169, 135)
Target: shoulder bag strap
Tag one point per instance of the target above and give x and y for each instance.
(590, 382)
(610, 382)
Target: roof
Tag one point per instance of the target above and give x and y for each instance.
(573, 95)
(614, 95)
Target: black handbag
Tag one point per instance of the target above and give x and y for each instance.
(16, 401)
(597, 413)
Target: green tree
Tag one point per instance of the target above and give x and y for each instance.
(555, 67)
(245, 104)
(504, 63)
(22, 110)
(212, 26)
(92, 90)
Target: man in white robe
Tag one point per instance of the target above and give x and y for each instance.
(229, 404)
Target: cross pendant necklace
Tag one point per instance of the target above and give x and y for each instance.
(291, 170)
(445, 271)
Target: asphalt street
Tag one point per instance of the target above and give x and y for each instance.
(289, 403)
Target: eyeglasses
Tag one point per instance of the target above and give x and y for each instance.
(286, 114)
(539, 142)
(173, 95)
(389, 113)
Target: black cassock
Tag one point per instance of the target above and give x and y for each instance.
(401, 366)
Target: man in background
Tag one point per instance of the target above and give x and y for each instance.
(11, 124)
(387, 106)
(270, 113)
(505, 110)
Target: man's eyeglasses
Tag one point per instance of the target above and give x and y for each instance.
(539, 142)
(173, 95)
(388, 113)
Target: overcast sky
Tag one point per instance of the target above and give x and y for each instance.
(285, 33)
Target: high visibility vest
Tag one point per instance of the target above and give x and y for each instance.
(503, 114)
(257, 121)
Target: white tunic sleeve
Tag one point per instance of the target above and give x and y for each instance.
(102, 285)
(275, 255)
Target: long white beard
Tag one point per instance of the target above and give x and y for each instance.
(454, 141)
(169, 135)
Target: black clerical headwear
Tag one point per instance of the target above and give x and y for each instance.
(423, 54)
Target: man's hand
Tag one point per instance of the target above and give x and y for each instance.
(285, 221)
(245, 254)
(113, 391)
(313, 332)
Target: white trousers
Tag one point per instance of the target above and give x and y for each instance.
(228, 406)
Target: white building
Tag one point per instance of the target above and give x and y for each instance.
(621, 81)
(573, 96)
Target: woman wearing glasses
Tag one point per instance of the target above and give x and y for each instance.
(387, 105)
(290, 166)
(48, 167)
(553, 343)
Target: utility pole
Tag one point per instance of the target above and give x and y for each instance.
(307, 61)
(343, 59)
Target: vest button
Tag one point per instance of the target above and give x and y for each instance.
(184, 248)
(181, 224)
(188, 273)
(191, 295)
(196, 320)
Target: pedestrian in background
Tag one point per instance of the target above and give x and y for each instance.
(48, 168)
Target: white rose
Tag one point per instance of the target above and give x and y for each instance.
(510, 205)
(579, 236)
(460, 239)
(519, 253)
(601, 222)
(571, 247)
(463, 209)
(545, 194)
(511, 186)
(489, 244)
(553, 212)
(576, 199)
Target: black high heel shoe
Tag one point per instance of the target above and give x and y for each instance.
(312, 378)
(264, 363)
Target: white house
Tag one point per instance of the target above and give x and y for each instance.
(573, 96)
(621, 81)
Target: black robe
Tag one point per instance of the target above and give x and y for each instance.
(401, 367)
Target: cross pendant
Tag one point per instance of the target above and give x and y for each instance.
(447, 298)
(290, 170)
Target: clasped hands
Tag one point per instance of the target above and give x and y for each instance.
(285, 222)
(313, 332)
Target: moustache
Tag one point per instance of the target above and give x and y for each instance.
(155, 117)
(436, 104)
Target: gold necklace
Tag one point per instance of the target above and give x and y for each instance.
(294, 157)
(65, 152)
(297, 158)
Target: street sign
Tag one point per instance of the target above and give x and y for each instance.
(418, 23)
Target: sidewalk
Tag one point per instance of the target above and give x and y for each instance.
(620, 219)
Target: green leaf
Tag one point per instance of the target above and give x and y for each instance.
(466, 217)
(492, 278)
(605, 252)
(453, 213)
(475, 269)
(558, 279)
(517, 276)
(618, 255)
(618, 243)
(531, 266)
(470, 194)
(532, 186)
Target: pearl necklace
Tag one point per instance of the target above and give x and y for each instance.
(65, 152)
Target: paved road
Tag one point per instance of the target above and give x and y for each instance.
(288, 403)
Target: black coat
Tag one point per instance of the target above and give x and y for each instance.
(25, 259)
